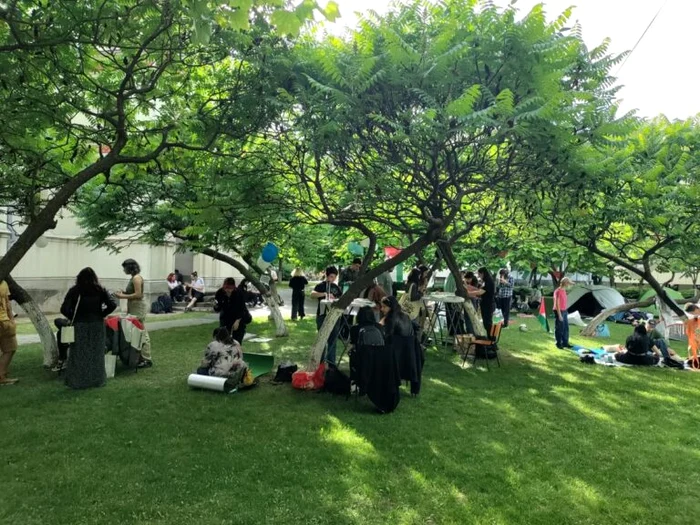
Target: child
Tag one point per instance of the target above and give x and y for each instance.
(223, 357)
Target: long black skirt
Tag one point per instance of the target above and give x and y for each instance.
(86, 360)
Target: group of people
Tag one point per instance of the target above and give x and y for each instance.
(192, 291)
(223, 356)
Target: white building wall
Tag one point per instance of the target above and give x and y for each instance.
(48, 272)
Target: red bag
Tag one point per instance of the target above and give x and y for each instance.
(303, 380)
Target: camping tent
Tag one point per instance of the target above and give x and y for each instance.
(590, 300)
(673, 294)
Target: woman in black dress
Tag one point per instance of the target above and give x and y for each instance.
(487, 295)
(400, 335)
(87, 303)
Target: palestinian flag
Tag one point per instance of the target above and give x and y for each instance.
(542, 317)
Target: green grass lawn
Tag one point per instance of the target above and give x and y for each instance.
(544, 439)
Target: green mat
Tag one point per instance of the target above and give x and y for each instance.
(260, 364)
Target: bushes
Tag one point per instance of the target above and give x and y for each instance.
(631, 294)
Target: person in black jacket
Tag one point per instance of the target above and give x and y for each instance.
(86, 305)
(399, 334)
(639, 349)
(297, 283)
(233, 312)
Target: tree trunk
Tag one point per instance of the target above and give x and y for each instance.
(360, 284)
(269, 298)
(555, 280)
(670, 280)
(332, 317)
(41, 324)
(589, 331)
(661, 292)
(45, 219)
(448, 255)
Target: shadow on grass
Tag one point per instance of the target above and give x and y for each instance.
(543, 439)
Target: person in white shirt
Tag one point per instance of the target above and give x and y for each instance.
(196, 290)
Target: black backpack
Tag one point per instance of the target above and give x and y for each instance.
(167, 303)
(370, 336)
(157, 307)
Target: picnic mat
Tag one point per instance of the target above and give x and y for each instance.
(599, 354)
(260, 364)
(604, 357)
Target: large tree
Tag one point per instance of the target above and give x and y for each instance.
(424, 120)
(92, 88)
(639, 199)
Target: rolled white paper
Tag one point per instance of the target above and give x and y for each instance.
(218, 384)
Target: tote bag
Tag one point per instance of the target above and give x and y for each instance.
(68, 332)
(410, 308)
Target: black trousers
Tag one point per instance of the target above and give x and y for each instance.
(298, 298)
(237, 335)
(504, 304)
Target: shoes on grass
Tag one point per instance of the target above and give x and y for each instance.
(146, 363)
(5, 381)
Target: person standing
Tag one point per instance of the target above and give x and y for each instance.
(386, 282)
(350, 274)
(136, 305)
(86, 305)
(505, 294)
(8, 335)
(298, 284)
(487, 296)
(561, 315)
(327, 289)
(233, 312)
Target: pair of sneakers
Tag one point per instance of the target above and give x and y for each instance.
(5, 381)
(561, 347)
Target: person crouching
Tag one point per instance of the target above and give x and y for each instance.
(223, 357)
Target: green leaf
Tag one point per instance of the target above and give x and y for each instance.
(286, 22)
(331, 12)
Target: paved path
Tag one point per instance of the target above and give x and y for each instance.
(183, 320)
(174, 323)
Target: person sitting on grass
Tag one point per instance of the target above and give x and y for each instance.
(223, 357)
(639, 349)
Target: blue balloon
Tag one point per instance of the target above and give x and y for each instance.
(270, 252)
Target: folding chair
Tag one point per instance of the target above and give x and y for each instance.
(486, 346)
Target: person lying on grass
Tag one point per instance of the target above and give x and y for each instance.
(223, 357)
(639, 349)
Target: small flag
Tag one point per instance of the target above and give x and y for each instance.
(542, 317)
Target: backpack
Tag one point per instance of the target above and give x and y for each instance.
(336, 382)
(157, 307)
(370, 336)
(285, 371)
(167, 303)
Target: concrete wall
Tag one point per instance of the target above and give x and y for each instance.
(48, 272)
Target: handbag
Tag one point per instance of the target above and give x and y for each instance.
(68, 332)
(410, 308)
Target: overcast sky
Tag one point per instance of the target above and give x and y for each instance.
(661, 76)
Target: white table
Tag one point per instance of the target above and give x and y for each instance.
(441, 300)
